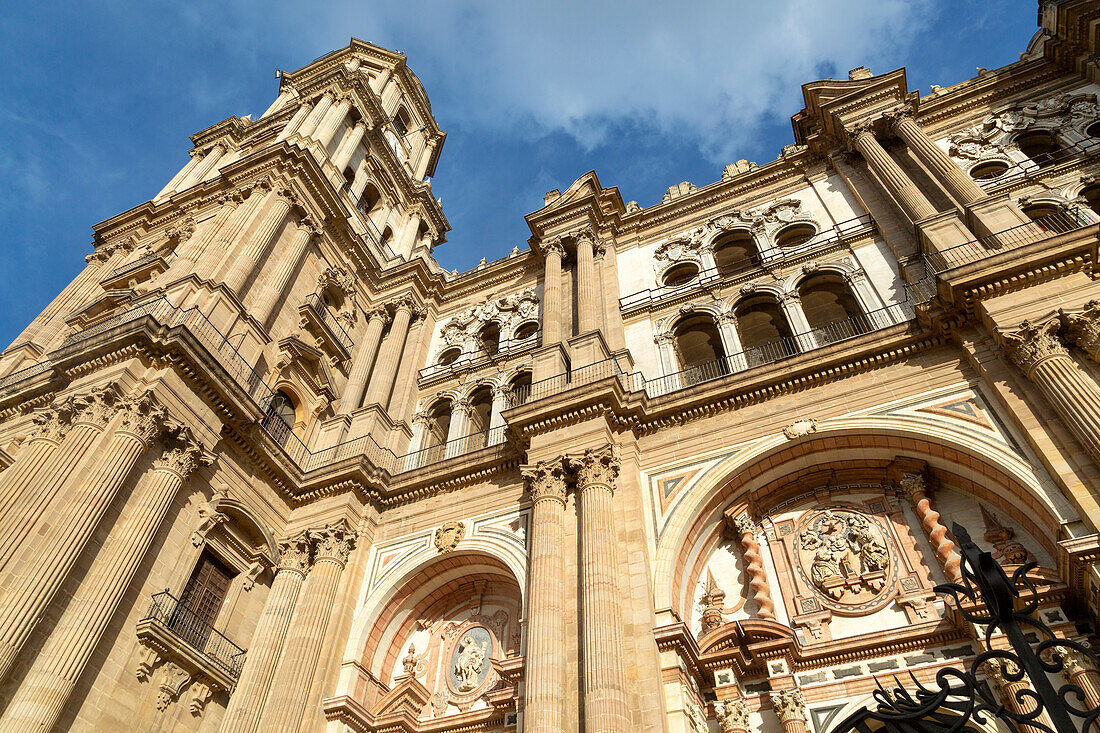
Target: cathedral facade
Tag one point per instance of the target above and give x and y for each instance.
(266, 466)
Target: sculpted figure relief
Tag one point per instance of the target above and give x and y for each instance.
(471, 660)
(845, 556)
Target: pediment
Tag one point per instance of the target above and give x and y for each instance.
(586, 202)
(409, 696)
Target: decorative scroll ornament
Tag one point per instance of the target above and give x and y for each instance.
(800, 428)
(337, 279)
(506, 310)
(1032, 343)
(1003, 538)
(1084, 328)
(844, 555)
(449, 535)
(545, 480)
(52, 423)
(732, 715)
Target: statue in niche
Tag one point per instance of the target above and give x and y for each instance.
(471, 660)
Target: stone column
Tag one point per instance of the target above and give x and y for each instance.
(243, 713)
(913, 484)
(588, 300)
(957, 182)
(908, 196)
(458, 429)
(295, 122)
(184, 172)
(42, 564)
(274, 210)
(359, 183)
(287, 264)
(551, 295)
(791, 304)
(282, 99)
(218, 258)
(363, 359)
(197, 246)
(48, 427)
(309, 124)
(604, 674)
(544, 708)
(202, 169)
(732, 715)
(25, 506)
(330, 123)
(998, 671)
(210, 248)
(348, 145)
(790, 708)
(41, 697)
(407, 242)
(389, 356)
(501, 393)
(1077, 669)
(293, 675)
(1035, 348)
(754, 567)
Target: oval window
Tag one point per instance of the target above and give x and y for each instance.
(680, 275)
(450, 356)
(526, 330)
(795, 235)
(988, 171)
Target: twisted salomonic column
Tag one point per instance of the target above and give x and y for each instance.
(277, 205)
(41, 697)
(243, 713)
(28, 505)
(604, 673)
(900, 186)
(362, 359)
(287, 264)
(551, 293)
(588, 299)
(348, 145)
(309, 124)
(1000, 672)
(732, 715)
(1078, 669)
(42, 564)
(958, 183)
(1036, 349)
(294, 673)
(914, 486)
(754, 567)
(790, 708)
(389, 356)
(295, 122)
(48, 427)
(330, 123)
(545, 680)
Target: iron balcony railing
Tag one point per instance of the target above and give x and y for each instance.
(1039, 164)
(506, 347)
(776, 256)
(318, 307)
(452, 448)
(197, 633)
(577, 377)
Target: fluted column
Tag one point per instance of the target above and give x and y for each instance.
(1037, 350)
(732, 715)
(40, 567)
(501, 394)
(202, 169)
(957, 182)
(363, 359)
(913, 484)
(309, 124)
(754, 567)
(24, 508)
(1000, 673)
(293, 676)
(1078, 669)
(407, 243)
(604, 697)
(551, 295)
(330, 123)
(389, 356)
(545, 680)
(41, 697)
(348, 145)
(458, 428)
(295, 122)
(243, 713)
(189, 253)
(359, 183)
(222, 250)
(790, 708)
(900, 186)
(287, 264)
(274, 211)
(588, 301)
(48, 428)
(192, 164)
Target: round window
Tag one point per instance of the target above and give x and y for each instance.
(450, 356)
(526, 330)
(795, 235)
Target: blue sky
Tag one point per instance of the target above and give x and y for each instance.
(97, 99)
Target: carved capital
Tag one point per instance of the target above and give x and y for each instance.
(334, 542)
(595, 467)
(913, 484)
(789, 705)
(732, 715)
(554, 247)
(1075, 663)
(182, 454)
(545, 480)
(142, 417)
(1031, 344)
(1001, 673)
(97, 407)
(744, 525)
(53, 422)
(378, 312)
(1084, 328)
(294, 554)
(403, 303)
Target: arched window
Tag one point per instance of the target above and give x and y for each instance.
(401, 122)
(1093, 130)
(369, 201)
(681, 274)
(387, 235)
(1039, 145)
(988, 171)
(481, 415)
(831, 308)
(489, 336)
(763, 329)
(795, 235)
(439, 424)
(349, 176)
(521, 388)
(735, 252)
(1092, 196)
(281, 417)
(699, 348)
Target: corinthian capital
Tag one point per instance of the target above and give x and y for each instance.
(733, 715)
(595, 467)
(142, 417)
(97, 407)
(183, 453)
(1084, 328)
(53, 422)
(895, 115)
(545, 480)
(553, 247)
(378, 312)
(294, 554)
(789, 705)
(1031, 344)
(333, 542)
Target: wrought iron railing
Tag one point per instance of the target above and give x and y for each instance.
(317, 305)
(451, 449)
(197, 633)
(574, 377)
(506, 347)
(1040, 164)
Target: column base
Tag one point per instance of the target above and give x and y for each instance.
(943, 231)
(993, 215)
(588, 348)
(374, 421)
(551, 360)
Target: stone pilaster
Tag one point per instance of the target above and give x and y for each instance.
(274, 291)
(362, 359)
(915, 487)
(545, 680)
(588, 290)
(604, 673)
(295, 121)
(43, 562)
(389, 355)
(48, 427)
(274, 210)
(41, 697)
(754, 567)
(305, 636)
(551, 301)
(900, 186)
(309, 124)
(1037, 350)
(790, 708)
(243, 713)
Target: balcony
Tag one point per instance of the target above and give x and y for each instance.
(468, 362)
(173, 631)
(1017, 172)
(139, 270)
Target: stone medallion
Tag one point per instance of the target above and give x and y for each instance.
(469, 661)
(844, 555)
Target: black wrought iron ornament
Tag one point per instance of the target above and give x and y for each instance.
(958, 701)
